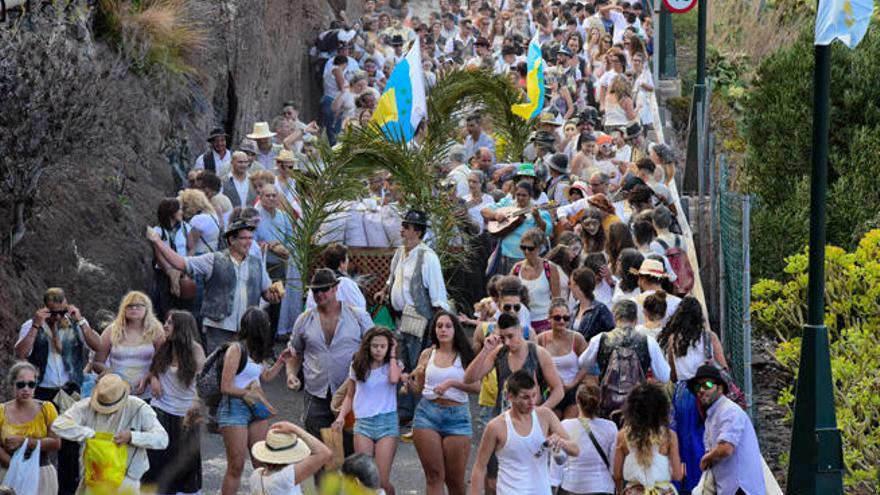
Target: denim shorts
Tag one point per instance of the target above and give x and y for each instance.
(445, 420)
(377, 427)
(233, 411)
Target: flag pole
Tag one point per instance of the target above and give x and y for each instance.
(816, 459)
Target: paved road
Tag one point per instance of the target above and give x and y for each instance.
(407, 474)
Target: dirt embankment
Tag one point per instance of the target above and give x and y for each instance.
(91, 211)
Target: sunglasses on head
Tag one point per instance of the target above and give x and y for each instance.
(31, 384)
(511, 307)
(527, 248)
(561, 317)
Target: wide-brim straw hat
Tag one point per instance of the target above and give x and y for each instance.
(109, 394)
(280, 448)
(650, 268)
(261, 131)
(285, 156)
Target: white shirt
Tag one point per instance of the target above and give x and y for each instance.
(179, 237)
(209, 228)
(221, 163)
(658, 361)
(374, 396)
(347, 291)
(281, 482)
(587, 473)
(204, 265)
(432, 277)
(55, 376)
(474, 211)
(460, 175)
(241, 188)
(672, 303)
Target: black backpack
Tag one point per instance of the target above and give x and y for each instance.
(208, 380)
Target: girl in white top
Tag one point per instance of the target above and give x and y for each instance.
(372, 395)
(564, 347)
(646, 458)
(539, 276)
(177, 468)
(442, 421)
(476, 200)
(291, 455)
(590, 471)
(239, 424)
(654, 309)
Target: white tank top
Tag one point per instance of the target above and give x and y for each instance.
(519, 471)
(648, 477)
(250, 374)
(435, 375)
(686, 366)
(176, 398)
(566, 365)
(539, 295)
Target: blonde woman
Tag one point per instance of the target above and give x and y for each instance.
(129, 343)
(200, 213)
(619, 107)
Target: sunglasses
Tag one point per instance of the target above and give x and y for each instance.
(59, 312)
(320, 290)
(511, 307)
(527, 248)
(705, 385)
(22, 384)
(561, 318)
(136, 306)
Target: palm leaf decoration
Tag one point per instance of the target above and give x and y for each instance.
(336, 176)
(323, 185)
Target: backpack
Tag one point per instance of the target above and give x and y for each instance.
(681, 265)
(208, 380)
(623, 372)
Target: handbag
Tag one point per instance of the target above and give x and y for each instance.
(23, 475)
(412, 323)
(104, 463)
(382, 316)
(706, 486)
(734, 393)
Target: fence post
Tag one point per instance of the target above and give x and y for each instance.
(747, 303)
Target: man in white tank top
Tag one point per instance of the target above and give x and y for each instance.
(522, 438)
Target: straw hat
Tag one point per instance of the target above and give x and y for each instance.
(650, 268)
(280, 448)
(109, 395)
(285, 155)
(261, 131)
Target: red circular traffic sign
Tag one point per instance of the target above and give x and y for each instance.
(679, 6)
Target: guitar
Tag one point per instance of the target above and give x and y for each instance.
(514, 217)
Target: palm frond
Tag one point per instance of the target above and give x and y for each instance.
(324, 185)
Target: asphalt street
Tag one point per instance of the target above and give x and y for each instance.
(407, 474)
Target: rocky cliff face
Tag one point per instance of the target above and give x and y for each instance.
(91, 211)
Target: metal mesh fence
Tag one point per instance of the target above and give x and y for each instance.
(733, 219)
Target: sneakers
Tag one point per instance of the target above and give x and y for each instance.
(407, 437)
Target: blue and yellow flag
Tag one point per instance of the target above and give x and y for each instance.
(845, 20)
(534, 84)
(403, 103)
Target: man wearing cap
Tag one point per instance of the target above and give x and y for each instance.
(237, 187)
(416, 289)
(559, 179)
(266, 150)
(324, 339)
(218, 157)
(476, 138)
(235, 280)
(732, 451)
(651, 275)
(131, 421)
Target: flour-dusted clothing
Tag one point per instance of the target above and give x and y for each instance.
(325, 366)
(204, 265)
(727, 422)
(659, 366)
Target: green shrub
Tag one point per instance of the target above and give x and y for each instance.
(778, 120)
(852, 315)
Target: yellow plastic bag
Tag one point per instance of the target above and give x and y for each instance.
(104, 463)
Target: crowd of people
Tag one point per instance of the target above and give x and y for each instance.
(578, 338)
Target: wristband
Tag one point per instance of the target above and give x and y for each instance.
(82, 322)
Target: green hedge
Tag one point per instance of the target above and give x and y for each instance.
(778, 116)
